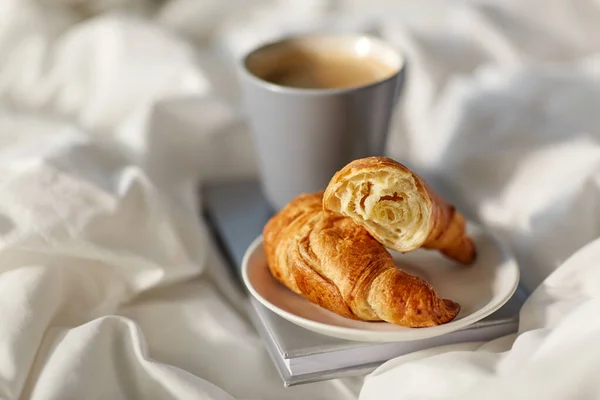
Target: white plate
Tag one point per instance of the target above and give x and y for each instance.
(480, 289)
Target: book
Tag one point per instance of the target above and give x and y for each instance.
(302, 356)
(236, 213)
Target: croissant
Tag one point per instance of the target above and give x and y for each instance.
(398, 208)
(335, 263)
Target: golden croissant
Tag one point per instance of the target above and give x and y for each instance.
(335, 263)
(398, 208)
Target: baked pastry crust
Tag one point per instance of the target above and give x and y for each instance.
(335, 263)
(398, 208)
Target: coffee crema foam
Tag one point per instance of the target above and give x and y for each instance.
(309, 69)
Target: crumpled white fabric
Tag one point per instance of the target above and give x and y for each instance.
(110, 286)
(501, 108)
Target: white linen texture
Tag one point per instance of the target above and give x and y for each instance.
(113, 112)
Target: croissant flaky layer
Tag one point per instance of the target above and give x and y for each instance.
(398, 208)
(337, 264)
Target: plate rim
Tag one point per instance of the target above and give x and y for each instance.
(358, 334)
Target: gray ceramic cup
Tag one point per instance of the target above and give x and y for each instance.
(303, 136)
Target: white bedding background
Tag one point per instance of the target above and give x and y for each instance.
(111, 112)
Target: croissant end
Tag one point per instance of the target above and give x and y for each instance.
(398, 208)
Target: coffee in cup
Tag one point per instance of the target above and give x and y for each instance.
(319, 69)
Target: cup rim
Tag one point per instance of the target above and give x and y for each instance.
(315, 91)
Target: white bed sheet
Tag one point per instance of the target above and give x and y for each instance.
(110, 288)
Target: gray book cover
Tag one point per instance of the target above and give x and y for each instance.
(302, 356)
